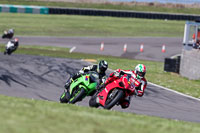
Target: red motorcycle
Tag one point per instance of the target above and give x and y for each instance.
(116, 90)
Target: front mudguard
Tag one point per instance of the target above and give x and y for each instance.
(77, 96)
(83, 86)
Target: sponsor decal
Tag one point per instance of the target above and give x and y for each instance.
(137, 83)
(106, 90)
(86, 78)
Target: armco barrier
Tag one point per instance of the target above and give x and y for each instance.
(113, 13)
(24, 9)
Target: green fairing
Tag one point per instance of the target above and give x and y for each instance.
(92, 87)
(81, 82)
(63, 95)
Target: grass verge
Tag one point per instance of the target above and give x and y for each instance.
(70, 25)
(155, 70)
(20, 115)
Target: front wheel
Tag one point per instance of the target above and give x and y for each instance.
(64, 98)
(77, 95)
(113, 98)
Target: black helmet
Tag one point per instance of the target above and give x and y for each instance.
(103, 65)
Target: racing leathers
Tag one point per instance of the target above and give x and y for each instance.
(139, 91)
(102, 75)
(11, 46)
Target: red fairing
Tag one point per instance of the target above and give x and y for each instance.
(115, 82)
(111, 78)
(103, 94)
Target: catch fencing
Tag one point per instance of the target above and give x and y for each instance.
(117, 13)
(95, 12)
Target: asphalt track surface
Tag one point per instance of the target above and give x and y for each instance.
(43, 78)
(112, 46)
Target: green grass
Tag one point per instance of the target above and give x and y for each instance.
(155, 70)
(106, 6)
(20, 115)
(69, 25)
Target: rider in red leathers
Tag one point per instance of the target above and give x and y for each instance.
(138, 74)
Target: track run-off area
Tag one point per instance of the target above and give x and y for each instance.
(114, 46)
(43, 78)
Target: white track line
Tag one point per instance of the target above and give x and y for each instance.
(72, 49)
(174, 91)
(179, 93)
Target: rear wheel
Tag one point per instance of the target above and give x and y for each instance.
(113, 98)
(77, 95)
(9, 52)
(92, 102)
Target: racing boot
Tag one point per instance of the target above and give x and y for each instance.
(125, 102)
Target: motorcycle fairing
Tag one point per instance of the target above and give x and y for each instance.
(9, 44)
(85, 82)
(102, 96)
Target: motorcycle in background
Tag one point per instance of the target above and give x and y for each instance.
(11, 46)
(8, 34)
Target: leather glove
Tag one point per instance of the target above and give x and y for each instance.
(81, 72)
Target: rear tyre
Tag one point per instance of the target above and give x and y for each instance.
(113, 98)
(9, 52)
(92, 102)
(77, 95)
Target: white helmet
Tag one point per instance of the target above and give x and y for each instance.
(140, 71)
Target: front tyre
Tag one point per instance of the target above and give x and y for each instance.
(64, 98)
(77, 95)
(113, 98)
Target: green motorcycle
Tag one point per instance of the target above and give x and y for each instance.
(80, 88)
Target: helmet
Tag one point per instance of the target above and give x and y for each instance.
(140, 71)
(16, 39)
(103, 65)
